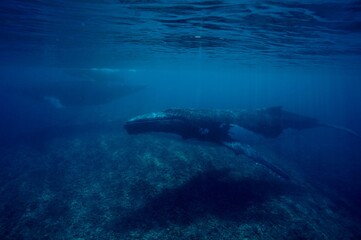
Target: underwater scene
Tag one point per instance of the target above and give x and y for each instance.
(154, 119)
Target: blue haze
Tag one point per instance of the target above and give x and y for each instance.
(302, 55)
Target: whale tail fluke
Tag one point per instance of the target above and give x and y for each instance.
(343, 129)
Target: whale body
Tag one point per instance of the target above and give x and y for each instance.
(229, 128)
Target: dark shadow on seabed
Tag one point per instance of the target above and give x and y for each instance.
(214, 192)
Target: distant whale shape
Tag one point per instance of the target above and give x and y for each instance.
(62, 94)
(227, 127)
(98, 74)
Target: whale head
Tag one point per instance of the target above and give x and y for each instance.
(157, 122)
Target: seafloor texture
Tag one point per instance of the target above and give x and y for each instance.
(113, 186)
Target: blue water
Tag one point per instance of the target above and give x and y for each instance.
(302, 55)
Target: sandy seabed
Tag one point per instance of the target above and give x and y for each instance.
(154, 186)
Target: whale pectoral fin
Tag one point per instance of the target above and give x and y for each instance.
(236, 147)
(247, 150)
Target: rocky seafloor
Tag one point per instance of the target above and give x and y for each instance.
(110, 185)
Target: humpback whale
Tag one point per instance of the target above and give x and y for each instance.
(229, 128)
(76, 93)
